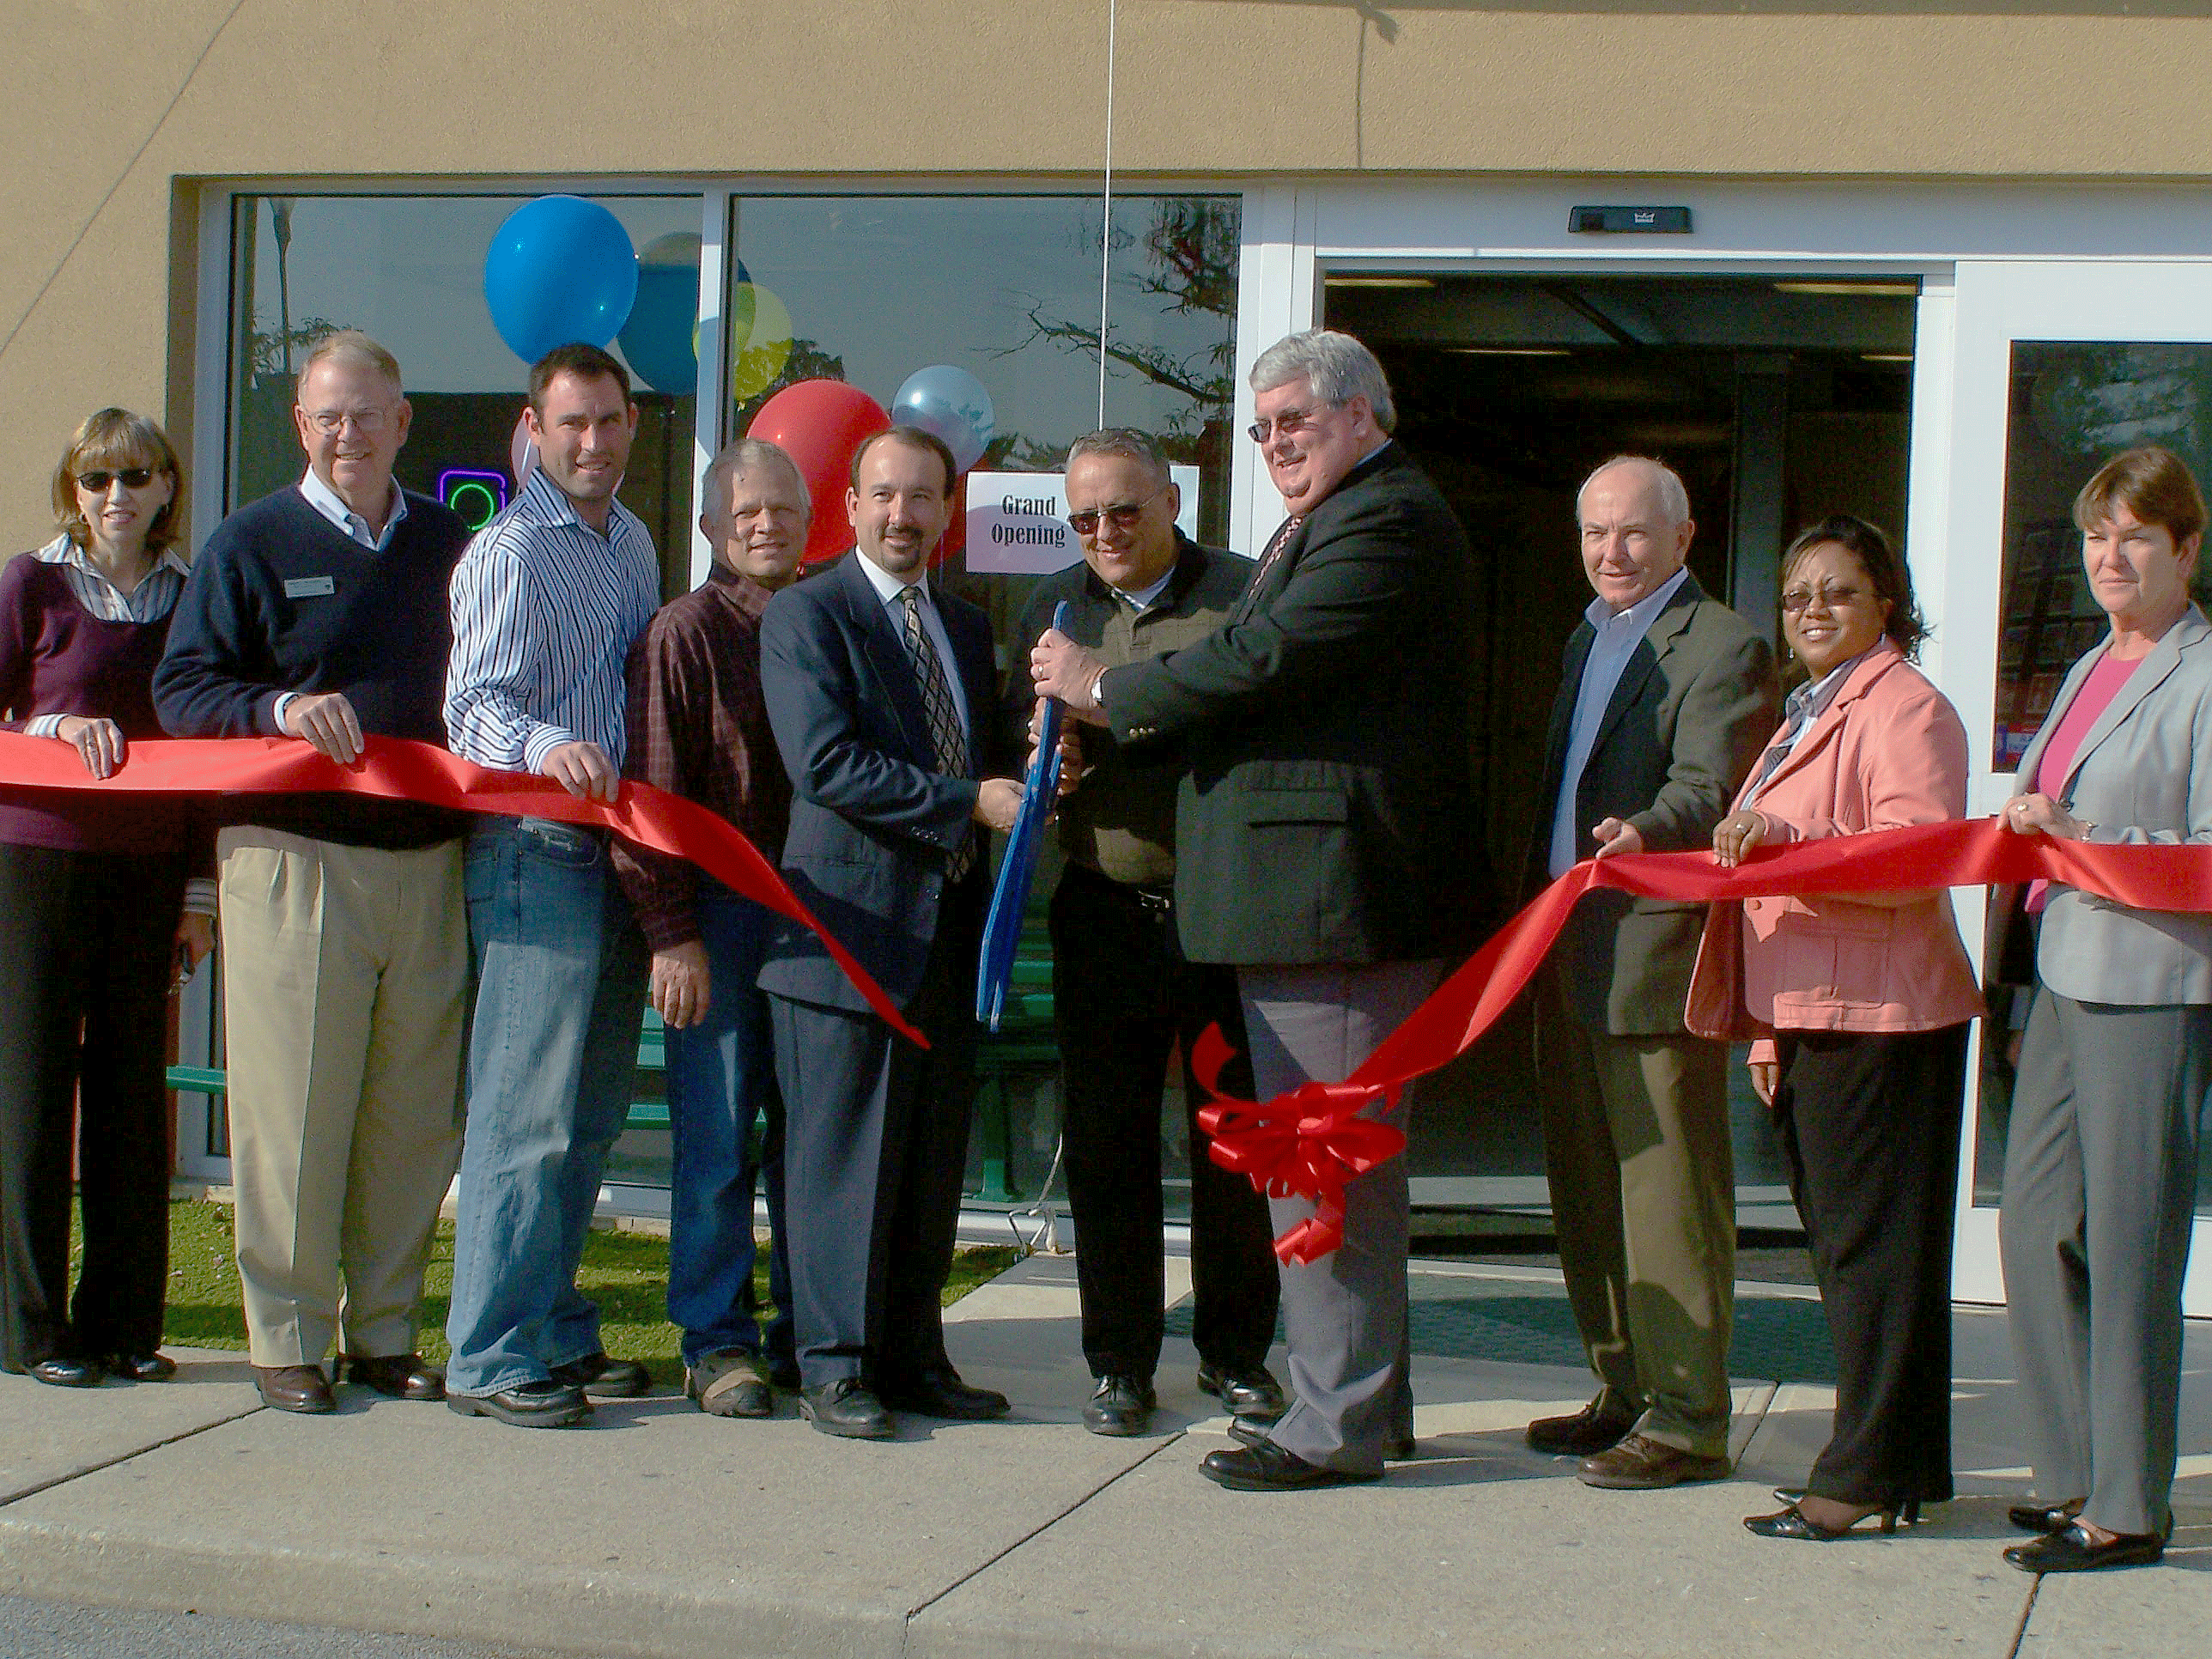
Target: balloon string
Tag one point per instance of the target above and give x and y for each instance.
(1106, 212)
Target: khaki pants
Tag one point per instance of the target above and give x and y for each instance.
(345, 970)
(1643, 1177)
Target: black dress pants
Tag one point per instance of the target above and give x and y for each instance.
(1122, 995)
(875, 1147)
(1870, 1124)
(86, 943)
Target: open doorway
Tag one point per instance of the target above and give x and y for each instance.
(1778, 399)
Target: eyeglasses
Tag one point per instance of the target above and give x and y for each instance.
(331, 421)
(1829, 598)
(134, 478)
(1123, 514)
(1290, 421)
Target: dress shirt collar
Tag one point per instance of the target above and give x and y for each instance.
(63, 550)
(328, 502)
(1637, 618)
(1140, 599)
(888, 587)
(545, 502)
(745, 596)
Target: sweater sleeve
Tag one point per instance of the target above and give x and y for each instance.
(214, 679)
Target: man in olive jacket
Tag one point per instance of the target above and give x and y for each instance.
(1326, 841)
(1666, 697)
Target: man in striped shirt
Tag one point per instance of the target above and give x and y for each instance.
(545, 604)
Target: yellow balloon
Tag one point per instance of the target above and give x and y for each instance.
(758, 354)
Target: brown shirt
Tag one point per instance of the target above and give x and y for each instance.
(1122, 822)
(698, 728)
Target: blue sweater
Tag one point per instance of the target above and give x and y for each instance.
(280, 599)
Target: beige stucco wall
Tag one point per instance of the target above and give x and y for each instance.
(114, 109)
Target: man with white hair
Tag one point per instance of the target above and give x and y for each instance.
(1327, 842)
(698, 727)
(1664, 699)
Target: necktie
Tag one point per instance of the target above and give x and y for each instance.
(1800, 710)
(1281, 540)
(945, 736)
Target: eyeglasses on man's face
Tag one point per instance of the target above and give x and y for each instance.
(370, 420)
(1290, 422)
(1123, 515)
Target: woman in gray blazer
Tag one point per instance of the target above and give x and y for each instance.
(2100, 1167)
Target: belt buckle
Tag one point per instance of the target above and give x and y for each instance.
(1155, 901)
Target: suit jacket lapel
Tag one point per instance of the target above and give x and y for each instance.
(886, 653)
(1666, 626)
(2165, 657)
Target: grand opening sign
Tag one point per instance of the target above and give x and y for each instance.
(1017, 521)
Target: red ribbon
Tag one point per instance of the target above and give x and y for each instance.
(392, 768)
(1312, 1141)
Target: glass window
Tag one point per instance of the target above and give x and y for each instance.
(410, 271)
(869, 288)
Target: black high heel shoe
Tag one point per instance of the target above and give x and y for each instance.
(1908, 1508)
(1791, 1523)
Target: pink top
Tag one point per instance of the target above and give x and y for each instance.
(2095, 697)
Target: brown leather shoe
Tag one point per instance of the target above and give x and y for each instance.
(294, 1389)
(1594, 1429)
(397, 1376)
(1640, 1463)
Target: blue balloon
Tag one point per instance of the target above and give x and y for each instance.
(658, 340)
(559, 270)
(952, 404)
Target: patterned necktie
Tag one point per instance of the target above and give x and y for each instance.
(1282, 539)
(945, 736)
(1799, 711)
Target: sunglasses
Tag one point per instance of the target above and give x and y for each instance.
(134, 478)
(1122, 514)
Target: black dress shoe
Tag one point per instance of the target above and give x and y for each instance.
(596, 1377)
(65, 1371)
(141, 1367)
(1268, 1467)
(1254, 1394)
(1792, 1522)
(1594, 1429)
(1255, 1434)
(301, 1388)
(397, 1376)
(1122, 1404)
(2045, 1517)
(847, 1409)
(546, 1405)
(2073, 1551)
(939, 1392)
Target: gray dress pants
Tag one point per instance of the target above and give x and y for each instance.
(1344, 1316)
(2100, 1189)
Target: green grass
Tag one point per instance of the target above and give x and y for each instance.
(626, 1274)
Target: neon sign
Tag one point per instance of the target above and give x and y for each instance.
(477, 496)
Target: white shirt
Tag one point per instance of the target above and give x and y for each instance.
(328, 502)
(1140, 599)
(1619, 634)
(888, 588)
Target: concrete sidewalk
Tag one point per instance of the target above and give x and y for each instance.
(661, 1531)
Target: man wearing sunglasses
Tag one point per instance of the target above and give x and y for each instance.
(1328, 841)
(1123, 994)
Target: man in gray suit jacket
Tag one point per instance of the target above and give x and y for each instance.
(1664, 701)
(1327, 842)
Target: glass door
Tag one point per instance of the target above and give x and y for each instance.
(2059, 365)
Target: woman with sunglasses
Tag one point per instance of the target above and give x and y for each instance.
(94, 930)
(1860, 1004)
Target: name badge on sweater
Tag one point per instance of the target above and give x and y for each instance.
(309, 588)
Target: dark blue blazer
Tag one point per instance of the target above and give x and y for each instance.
(873, 822)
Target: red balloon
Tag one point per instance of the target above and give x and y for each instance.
(956, 533)
(821, 423)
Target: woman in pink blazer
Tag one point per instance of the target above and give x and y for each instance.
(1859, 1005)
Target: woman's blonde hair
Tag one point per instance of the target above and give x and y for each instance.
(110, 440)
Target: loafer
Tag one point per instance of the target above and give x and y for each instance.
(397, 1376)
(847, 1409)
(1594, 1429)
(2073, 1551)
(301, 1388)
(939, 1392)
(597, 1376)
(66, 1372)
(728, 1383)
(1121, 1404)
(2045, 1517)
(1253, 1394)
(1640, 1463)
(1268, 1467)
(549, 1404)
(140, 1367)
(1255, 1434)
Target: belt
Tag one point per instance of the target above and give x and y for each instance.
(1157, 897)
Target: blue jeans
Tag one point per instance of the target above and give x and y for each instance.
(561, 975)
(722, 1077)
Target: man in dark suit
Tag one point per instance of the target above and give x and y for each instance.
(880, 694)
(1665, 699)
(1327, 840)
